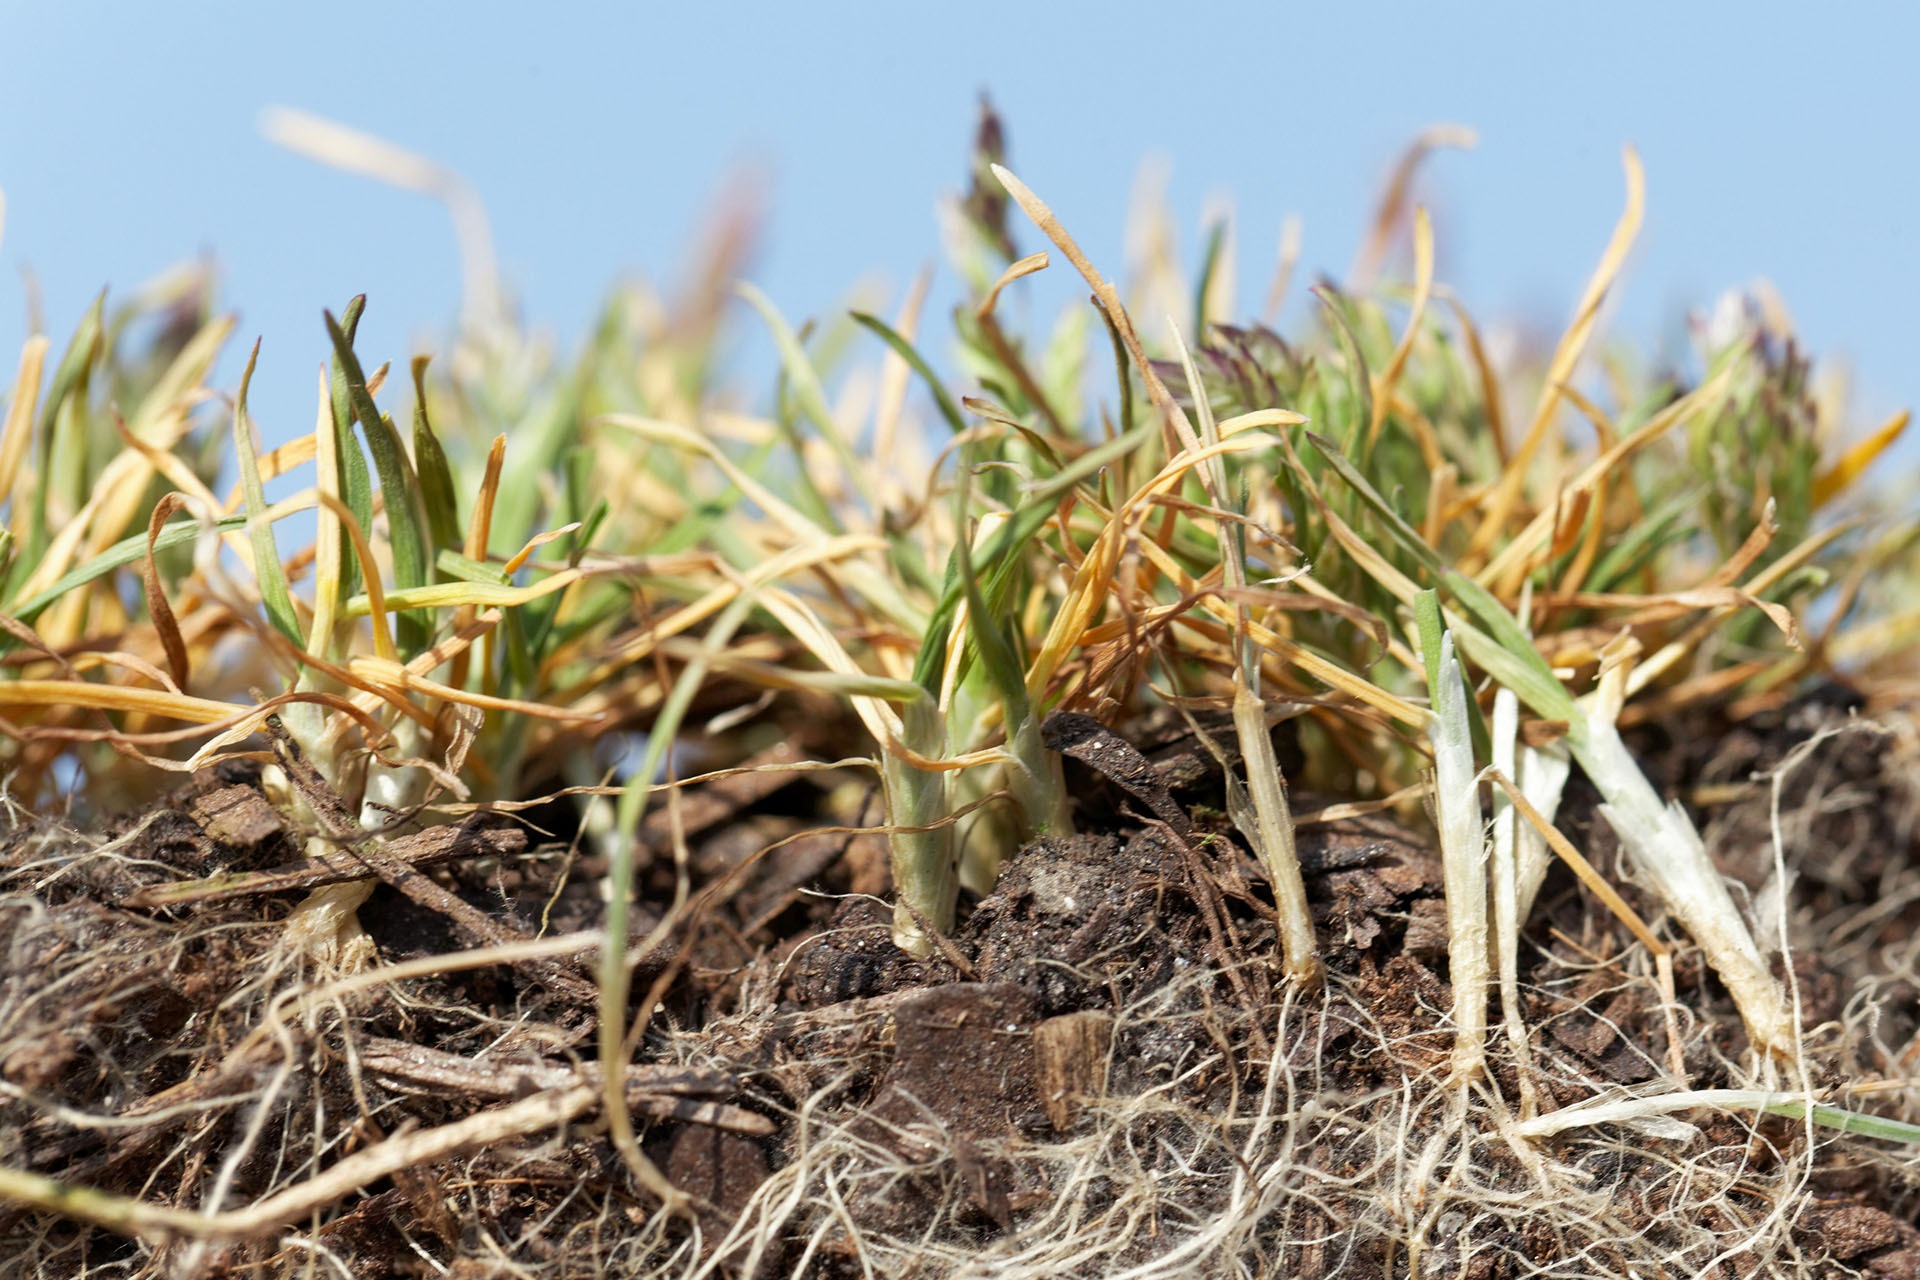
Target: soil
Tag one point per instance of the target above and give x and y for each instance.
(1099, 1073)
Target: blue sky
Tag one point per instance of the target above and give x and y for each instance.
(1776, 144)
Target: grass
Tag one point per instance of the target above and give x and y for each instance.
(1421, 559)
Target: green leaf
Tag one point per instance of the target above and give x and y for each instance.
(807, 392)
(1645, 539)
(1359, 381)
(355, 482)
(436, 477)
(406, 526)
(1867, 1126)
(1504, 651)
(1426, 616)
(123, 552)
(988, 632)
(457, 566)
(539, 440)
(905, 350)
(268, 571)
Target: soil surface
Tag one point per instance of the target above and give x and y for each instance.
(1100, 1072)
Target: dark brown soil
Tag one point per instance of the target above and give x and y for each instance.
(1100, 1073)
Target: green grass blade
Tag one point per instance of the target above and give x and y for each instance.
(1426, 617)
(436, 477)
(539, 438)
(1502, 650)
(355, 481)
(123, 552)
(406, 526)
(1359, 381)
(1645, 539)
(807, 391)
(1855, 1122)
(268, 571)
(949, 409)
(988, 635)
(461, 568)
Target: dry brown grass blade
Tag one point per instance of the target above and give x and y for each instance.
(1179, 434)
(175, 472)
(1007, 353)
(1650, 609)
(1389, 377)
(1596, 500)
(162, 419)
(480, 525)
(1566, 357)
(380, 672)
(1332, 674)
(327, 566)
(158, 610)
(1673, 652)
(1492, 402)
(1093, 581)
(1016, 271)
(369, 566)
(112, 697)
(896, 376)
(1394, 198)
(244, 722)
(518, 559)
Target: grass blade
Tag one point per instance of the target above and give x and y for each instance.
(268, 571)
(942, 398)
(406, 526)
(435, 476)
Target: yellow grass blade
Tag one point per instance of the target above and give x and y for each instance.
(1092, 582)
(1179, 431)
(1566, 358)
(449, 595)
(1503, 573)
(17, 434)
(113, 697)
(1842, 473)
(1389, 377)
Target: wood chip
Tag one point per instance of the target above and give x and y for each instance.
(1070, 1062)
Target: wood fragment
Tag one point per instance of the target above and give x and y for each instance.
(1070, 1063)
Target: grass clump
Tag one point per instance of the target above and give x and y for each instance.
(1426, 574)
